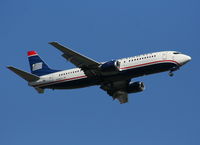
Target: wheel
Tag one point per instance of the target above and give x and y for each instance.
(171, 74)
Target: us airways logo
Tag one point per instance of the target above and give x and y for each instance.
(37, 66)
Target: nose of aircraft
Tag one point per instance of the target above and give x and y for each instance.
(189, 58)
(185, 59)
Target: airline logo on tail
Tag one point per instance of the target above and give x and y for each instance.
(37, 66)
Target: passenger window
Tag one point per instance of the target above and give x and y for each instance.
(176, 53)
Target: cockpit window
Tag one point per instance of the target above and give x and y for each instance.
(176, 53)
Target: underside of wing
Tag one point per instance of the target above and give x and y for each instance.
(117, 89)
(76, 58)
(120, 89)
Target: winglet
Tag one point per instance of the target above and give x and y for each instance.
(52, 42)
(58, 46)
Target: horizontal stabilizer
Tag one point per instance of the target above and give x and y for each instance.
(39, 90)
(25, 75)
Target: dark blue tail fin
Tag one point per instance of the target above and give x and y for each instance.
(37, 65)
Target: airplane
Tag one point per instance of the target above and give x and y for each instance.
(114, 76)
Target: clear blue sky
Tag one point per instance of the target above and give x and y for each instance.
(166, 113)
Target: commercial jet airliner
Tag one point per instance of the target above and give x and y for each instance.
(113, 76)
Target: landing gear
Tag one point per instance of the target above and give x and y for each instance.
(171, 74)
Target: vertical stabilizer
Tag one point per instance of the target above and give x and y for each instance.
(37, 65)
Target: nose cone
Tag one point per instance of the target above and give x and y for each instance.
(186, 59)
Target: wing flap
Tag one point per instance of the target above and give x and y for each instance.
(25, 75)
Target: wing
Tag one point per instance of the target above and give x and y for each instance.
(77, 59)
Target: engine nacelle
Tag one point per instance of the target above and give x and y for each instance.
(135, 87)
(110, 67)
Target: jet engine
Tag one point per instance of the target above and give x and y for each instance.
(135, 87)
(110, 67)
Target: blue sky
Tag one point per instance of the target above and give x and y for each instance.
(167, 112)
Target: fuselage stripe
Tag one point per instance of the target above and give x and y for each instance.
(149, 63)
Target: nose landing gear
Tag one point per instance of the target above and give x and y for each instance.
(171, 74)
